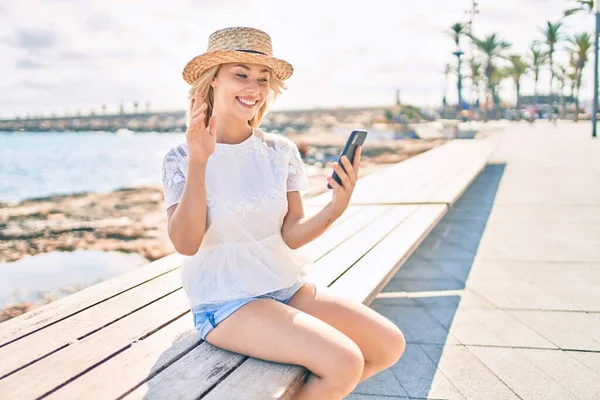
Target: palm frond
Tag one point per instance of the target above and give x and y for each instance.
(583, 6)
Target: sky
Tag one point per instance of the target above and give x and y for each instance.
(57, 56)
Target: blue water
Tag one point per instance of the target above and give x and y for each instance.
(28, 279)
(42, 164)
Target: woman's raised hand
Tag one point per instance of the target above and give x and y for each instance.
(201, 140)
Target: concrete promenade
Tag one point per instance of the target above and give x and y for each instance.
(502, 299)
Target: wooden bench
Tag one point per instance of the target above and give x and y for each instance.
(132, 336)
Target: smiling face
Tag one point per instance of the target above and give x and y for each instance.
(241, 89)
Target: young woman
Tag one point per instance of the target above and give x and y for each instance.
(234, 208)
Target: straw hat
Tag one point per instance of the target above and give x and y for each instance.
(237, 44)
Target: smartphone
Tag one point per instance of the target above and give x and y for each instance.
(357, 138)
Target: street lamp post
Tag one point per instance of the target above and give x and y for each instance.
(595, 104)
(459, 53)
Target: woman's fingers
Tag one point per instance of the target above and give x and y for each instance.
(333, 182)
(197, 124)
(197, 101)
(357, 155)
(199, 110)
(340, 172)
(349, 169)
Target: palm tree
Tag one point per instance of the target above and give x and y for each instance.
(572, 75)
(475, 75)
(447, 71)
(518, 67)
(582, 43)
(572, 70)
(498, 75)
(552, 35)
(562, 74)
(456, 31)
(492, 48)
(537, 58)
(582, 6)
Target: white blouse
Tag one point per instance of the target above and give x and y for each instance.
(242, 253)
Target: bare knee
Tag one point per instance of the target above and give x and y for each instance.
(393, 347)
(397, 347)
(345, 370)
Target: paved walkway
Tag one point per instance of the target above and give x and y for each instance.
(502, 300)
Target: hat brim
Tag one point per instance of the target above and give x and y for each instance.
(197, 65)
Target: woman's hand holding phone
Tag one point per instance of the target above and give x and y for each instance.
(201, 140)
(342, 193)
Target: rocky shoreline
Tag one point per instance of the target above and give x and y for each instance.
(133, 219)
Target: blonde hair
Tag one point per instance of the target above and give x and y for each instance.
(203, 84)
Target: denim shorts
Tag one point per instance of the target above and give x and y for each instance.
(208, 316)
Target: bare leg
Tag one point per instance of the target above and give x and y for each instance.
(277, 332)
(379, 339)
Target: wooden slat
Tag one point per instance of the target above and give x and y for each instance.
(459, 157)
(408, 176)
(373, 271)
(190, 376)
(450, 193)
(144, 359)
(59, 335)
(80, 355)
(469, 161)
(271, 381)
(337, 233)
(48, 314)
(444, 174)
(334, 264)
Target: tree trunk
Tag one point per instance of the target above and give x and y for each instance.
(562, 102)
(576, 115)
(489, 89)
(551, 82)
(518, 84)
(535, 89)
(475, 94)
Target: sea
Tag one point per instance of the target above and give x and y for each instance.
(34, 165)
